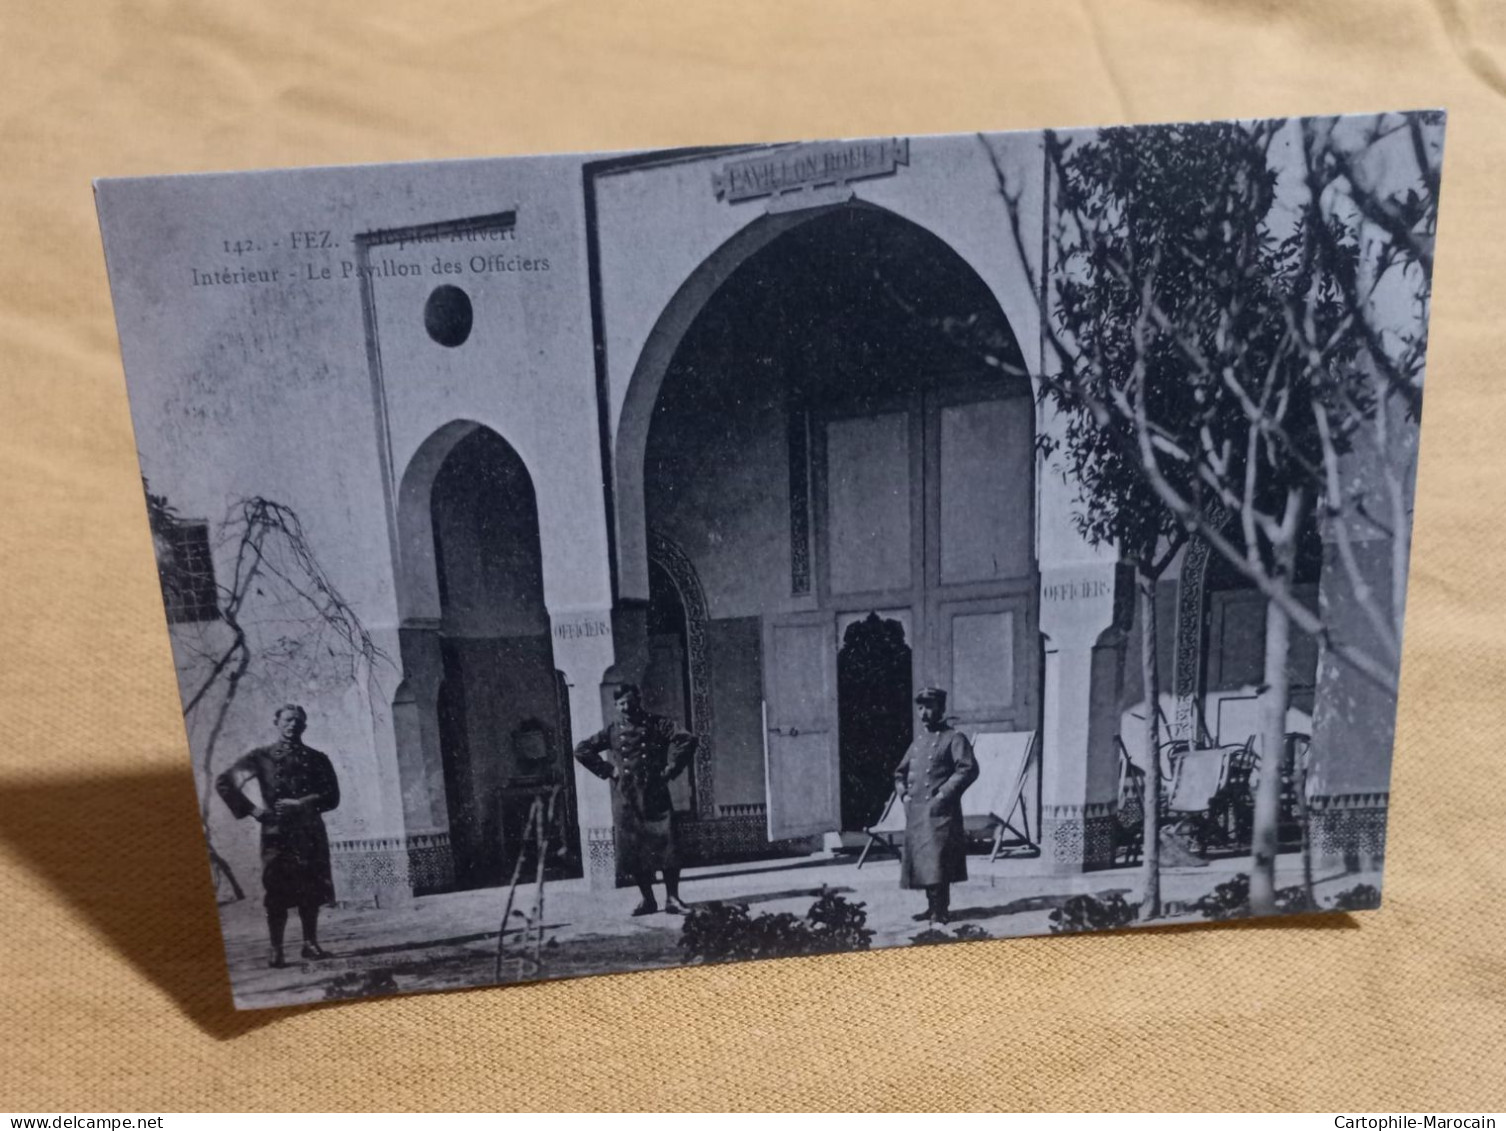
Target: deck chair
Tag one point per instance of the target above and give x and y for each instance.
(997, 799)
(888, 831)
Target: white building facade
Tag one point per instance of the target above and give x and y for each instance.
(713, 422)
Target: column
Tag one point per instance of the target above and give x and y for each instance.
(1354, 719)
(1354, 724)
(584, 650)
(415, 723)
(407, 851)
(1084, 666)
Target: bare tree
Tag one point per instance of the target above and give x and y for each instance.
(278, 619)
(1224, 336)
(1383, 173)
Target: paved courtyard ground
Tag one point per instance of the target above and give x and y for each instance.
(448, 941)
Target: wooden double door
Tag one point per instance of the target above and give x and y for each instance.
(923, 539)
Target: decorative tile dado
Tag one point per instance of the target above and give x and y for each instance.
(365, 867)
(743, 836)
(1079, 835)
(1349, 827)
(750, 809)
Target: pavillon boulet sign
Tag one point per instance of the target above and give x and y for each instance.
(815, 165)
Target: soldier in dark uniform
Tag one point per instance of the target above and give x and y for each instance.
(644, 754)
(931, 778)
(297, 786)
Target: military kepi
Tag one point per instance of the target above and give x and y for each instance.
(931, 695)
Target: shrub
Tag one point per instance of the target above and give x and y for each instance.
(966, 932)
(1085, 913)
(1290, 901)
(1361, 897)
(360, 983)
(1231, 900)
(837, 925)
(726, 932)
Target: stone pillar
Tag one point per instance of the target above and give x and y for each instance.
(1354, 725)
(1354, 719)
(416, 726)
(585, 651)
(415, 723)
(406, 850)
(1084, 666)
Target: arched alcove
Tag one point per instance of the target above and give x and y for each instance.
(833, 419)
(480, 694)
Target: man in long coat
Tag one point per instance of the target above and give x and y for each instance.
(297, 786)
(936, 769)
(644, 753)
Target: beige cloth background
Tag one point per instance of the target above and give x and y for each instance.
(112, 987)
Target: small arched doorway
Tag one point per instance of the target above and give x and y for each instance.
(477, 636)
(874, 693)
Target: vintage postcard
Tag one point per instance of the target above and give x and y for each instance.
(580, 564)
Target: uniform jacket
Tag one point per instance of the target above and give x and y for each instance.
(641, 757)
(295, 867)
(936, 769)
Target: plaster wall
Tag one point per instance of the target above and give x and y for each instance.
(245, 389)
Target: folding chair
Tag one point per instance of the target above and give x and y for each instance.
(888, 830)
(997, 798)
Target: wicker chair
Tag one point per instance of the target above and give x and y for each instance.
(1129, 815)
(1209, 797)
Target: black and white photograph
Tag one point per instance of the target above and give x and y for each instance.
(586, 564)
